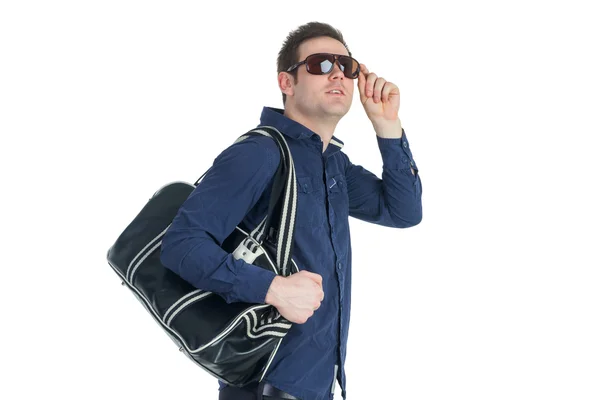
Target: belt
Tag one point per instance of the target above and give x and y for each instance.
(272, 391)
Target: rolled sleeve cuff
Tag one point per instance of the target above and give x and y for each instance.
(252, 283)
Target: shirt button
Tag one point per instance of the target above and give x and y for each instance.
(405, 144)
(340, 266)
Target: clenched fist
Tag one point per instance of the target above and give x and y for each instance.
(297, 296)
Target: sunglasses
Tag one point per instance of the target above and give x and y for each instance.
(322, 63)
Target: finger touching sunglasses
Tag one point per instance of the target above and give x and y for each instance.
(381, 101)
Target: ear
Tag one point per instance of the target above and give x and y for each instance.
(286, 84)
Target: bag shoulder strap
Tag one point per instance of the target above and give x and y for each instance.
(282, 202)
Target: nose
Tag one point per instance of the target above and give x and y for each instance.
(336, 71)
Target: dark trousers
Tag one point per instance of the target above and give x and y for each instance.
(252, 393)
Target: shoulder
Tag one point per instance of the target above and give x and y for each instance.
(343, 160)
(263, 144)
(343, 156)
(256, 150)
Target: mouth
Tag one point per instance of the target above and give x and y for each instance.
(336, 92)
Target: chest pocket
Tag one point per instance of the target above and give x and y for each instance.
(336, 184)
(338, 194)
(311, 202)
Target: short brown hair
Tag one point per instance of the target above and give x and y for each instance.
(288, 55)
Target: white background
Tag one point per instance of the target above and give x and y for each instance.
(493, 296)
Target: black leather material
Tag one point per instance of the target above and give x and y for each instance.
(233, 342)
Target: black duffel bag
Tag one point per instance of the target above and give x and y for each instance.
(235, 342)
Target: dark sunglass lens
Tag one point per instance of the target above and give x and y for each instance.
(349, 66)
(319, 64)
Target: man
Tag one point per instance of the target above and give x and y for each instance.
(316, 76)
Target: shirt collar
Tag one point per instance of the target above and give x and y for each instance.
(272, 116)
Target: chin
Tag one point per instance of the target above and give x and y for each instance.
(338, 110)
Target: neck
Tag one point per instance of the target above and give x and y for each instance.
(324, 127)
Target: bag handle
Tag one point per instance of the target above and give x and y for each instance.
(285, 206)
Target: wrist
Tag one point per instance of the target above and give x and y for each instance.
(388, 129)
(274, 289)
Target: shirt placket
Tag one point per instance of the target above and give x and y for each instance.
(339, 262)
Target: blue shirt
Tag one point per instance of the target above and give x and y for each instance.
(331, 188)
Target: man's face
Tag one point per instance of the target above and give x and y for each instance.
(311, 96)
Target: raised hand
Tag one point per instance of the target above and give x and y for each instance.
(380, 98)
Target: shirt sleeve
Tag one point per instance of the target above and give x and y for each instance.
(191, 247)
(395, 199)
